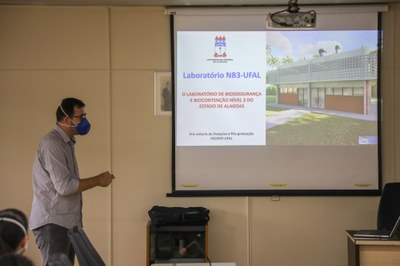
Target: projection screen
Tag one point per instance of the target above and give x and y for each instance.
(262, 111)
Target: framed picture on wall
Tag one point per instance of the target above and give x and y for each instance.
(162, 93)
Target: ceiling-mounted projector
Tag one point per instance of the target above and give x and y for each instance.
(292, 18)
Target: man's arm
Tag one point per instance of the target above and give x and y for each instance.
(102, 180)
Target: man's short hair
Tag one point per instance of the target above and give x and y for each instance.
(68, 105)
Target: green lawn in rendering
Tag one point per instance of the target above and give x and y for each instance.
(320, 129)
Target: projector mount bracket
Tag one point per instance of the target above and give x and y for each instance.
(292, 17)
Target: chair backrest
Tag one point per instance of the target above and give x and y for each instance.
(389, 206)
(85, 251)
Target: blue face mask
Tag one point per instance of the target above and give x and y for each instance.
(83, 127)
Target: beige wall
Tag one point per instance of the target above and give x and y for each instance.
(107, 57)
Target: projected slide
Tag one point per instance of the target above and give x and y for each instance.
(221, 88)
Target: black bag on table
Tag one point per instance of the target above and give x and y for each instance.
(160, 215)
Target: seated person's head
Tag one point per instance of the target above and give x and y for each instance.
(13, 231)
(12, 259)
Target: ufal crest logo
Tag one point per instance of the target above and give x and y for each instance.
(220, 55)
(220, 47)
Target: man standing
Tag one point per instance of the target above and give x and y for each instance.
(57, 187)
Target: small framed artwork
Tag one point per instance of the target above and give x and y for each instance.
(162, 93)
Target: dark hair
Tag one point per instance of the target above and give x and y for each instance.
(13, 259)
(68, 105)
(10, 233)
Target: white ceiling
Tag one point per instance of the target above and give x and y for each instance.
(188, 2)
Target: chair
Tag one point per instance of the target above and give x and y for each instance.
(389, 206)
(85, 251)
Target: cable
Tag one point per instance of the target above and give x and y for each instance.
(185, 249)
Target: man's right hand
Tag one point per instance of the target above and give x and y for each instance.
(102, 180)
(105, 179)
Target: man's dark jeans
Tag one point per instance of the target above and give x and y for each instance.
(53, 239)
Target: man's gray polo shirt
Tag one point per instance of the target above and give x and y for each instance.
(55, 183)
